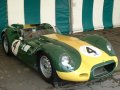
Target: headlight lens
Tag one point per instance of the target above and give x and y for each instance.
(65, 61)
(109, 47)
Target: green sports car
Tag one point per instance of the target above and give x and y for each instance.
(60, 57)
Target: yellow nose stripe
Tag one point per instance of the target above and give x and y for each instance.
(71, 41)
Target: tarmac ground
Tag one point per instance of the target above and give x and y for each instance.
(14, 75)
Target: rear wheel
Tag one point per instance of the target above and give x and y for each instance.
(5, 45)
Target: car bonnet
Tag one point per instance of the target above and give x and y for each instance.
(90, 54)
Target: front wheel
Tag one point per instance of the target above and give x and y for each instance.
(45, 67)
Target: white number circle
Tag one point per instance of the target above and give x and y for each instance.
(90, 51)
(15, 46)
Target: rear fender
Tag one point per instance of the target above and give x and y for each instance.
(4, 30)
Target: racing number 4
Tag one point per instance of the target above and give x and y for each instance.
(89, 50)
(15, 46)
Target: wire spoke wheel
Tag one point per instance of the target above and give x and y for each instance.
(45, 66)
(5, 44)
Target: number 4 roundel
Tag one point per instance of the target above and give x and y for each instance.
(15, 46)
(90, 51)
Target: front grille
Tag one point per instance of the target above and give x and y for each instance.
(103, 70)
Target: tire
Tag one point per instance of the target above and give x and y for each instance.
(5, 45)
(45, 67)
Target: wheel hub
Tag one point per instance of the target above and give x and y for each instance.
(45, 66)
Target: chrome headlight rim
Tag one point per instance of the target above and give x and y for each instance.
(66, 61)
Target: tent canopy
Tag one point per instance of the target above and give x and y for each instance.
(67, 15)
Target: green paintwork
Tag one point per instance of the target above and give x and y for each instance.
(13, 34)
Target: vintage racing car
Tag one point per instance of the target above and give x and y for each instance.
(63, 57)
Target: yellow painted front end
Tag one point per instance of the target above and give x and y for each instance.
(87, 63)
(84, 71)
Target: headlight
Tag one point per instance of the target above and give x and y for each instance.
(109, 47)
(65, 61)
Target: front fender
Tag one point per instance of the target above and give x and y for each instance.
(99, 42)
(56, 51)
